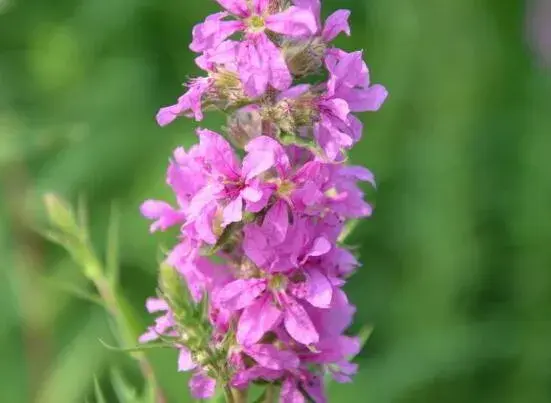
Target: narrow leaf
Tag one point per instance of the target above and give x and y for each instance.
(136, 349)
(364, 334)
(347, 231)
(224, 238)
(100, 398)
(74, 291)
(125, 392)
(112, 257)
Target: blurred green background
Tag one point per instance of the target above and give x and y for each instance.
(457, 258)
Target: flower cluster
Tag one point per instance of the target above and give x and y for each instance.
(261, 208)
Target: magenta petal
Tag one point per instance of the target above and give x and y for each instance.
(259, 6)
(294, 21)
(242, 379)
(257, 162)
(252, 194)
(256, 320)
(219, 153)
(359, 173)
(168, 114)
(212, 32)
(338, 107)
(148, 336)
(294, 92)
(233, 212)
(201, 386)
(156, 305)
(185, 360)
(236, 7)
(290, 393)
(320, 290)
(298, 324)
(335, 24)
(276, 222)
(320, 247)
(240, 293)
(280, 77)
(368, 100)
(253, 68)
(269, 356)
(264, 145)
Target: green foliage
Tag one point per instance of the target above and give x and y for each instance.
(455, 275)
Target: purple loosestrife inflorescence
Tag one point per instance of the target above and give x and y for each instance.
(260, 209)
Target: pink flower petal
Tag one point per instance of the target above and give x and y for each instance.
(156, 305)
(240, 293)
(298, 323)
(320, 290)
(290, 392)
(256, 320)
(185, 360)
(201, 386)
(335, 24)
(233, 212)
(276, 221)
(269, 356)
(294, 21)
(236, 7)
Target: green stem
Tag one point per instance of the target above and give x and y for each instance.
(270, 394)
(228, 394)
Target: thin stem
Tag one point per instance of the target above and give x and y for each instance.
(270, 395)
(228, 395)
(109, 296)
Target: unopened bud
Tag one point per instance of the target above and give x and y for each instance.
(243, 126)
(228, 90)
(276, 6)
(304, 58)
(174, 290)
(60, 214)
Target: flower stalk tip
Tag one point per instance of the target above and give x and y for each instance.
(252, 292)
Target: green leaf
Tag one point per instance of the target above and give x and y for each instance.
(60, 214)
(224, 238)
(348, 230)
(74, 291)
(112, 266)
(124, 391)
(136, 349)
(100, 398)
(364, 334)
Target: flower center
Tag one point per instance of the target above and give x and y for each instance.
(278, 282)
(286, 188)
(256, 23)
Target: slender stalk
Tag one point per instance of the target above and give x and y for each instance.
(228, 394)
(270, 395)
(112, 303)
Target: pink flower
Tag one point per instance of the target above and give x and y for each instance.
(252, 20)
(163, 324)
(335, 23)
(259, 61)
(188, 104)
(259, 228)
(230, 183)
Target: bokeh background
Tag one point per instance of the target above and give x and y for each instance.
(457, 258)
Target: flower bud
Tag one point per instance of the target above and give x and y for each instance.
(304, 58)
(174, 291)
(243, 126)
(277, 6)
(227, 90)
(60, 214)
